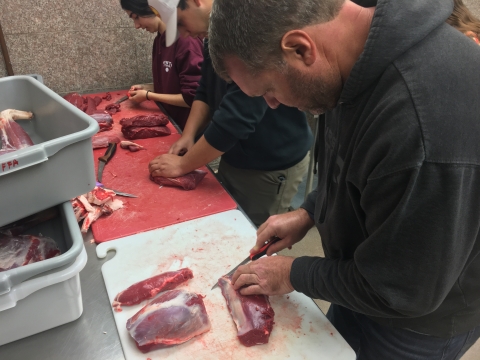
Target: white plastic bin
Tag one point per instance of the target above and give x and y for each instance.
(66, 233)
(42, 303)
(59, 166)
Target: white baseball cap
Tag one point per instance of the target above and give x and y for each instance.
(167, 9)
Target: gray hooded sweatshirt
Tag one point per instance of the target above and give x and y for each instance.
(398, 201)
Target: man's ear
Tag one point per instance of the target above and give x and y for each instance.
(473, 36)
(197, 2)
(297, 45)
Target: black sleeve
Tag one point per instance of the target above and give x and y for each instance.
(411, 218)
(235, 119)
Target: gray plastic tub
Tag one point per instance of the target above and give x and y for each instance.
(65, 231)
(59, 166)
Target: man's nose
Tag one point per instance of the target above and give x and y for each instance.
(137, 25)
(271, 101)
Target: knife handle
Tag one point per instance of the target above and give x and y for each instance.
(263, 249)
(112, 147)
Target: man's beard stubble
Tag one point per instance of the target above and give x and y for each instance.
(315, 94)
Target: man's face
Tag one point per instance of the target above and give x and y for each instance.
(291, 87)
(193, 21)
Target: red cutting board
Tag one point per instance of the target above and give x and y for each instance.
(155, 207)
(128, 109)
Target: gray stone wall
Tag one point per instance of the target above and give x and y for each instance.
(85, 46)
(81, 45)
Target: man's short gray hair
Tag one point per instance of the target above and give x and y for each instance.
(252, 30)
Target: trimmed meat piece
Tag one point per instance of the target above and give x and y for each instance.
(79, 210)
(252, 314)
(103, 119)
(91, 217)
(12, 135)
(107, 96)
(91, 105)
(173, 318)
(99, 196)
(131, 146)
(145, 120)
(148, 288)
(132, 133)
(109, 207)
(102, 140)
(77, 100)
(112, 108)
(187, 182)
(22, 250)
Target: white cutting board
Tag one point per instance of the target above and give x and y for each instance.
(211, 246)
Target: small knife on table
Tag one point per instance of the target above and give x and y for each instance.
(252, 257)
(103, 160)
(119, 193)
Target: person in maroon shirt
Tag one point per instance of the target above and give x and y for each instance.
(176, 69)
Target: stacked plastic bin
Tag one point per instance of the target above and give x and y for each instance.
(58, 167)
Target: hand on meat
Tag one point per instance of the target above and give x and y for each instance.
(267, 276)
(138, 95)
(291, 227)
(167, 165)
(182, 145)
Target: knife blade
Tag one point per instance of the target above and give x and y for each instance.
(252, 257)
(120, 193)
(103, 160)
(122, 99)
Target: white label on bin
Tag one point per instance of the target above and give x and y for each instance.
(9, 165)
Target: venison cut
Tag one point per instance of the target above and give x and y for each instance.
(144, 120)
(252, 314)
(112, 108)
(102, 140)
(131, 146)
(187, 182)
(104, 120)
(76, 99)
(132, 133)
(148, 288)
(172, 318)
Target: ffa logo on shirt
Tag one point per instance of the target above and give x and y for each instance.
(167, 65)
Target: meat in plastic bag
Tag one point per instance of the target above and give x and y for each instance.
(20, 250)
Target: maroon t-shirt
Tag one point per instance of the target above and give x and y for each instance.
(176, 70)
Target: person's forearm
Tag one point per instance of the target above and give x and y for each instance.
(200, 154)
(170, 99)
(198, 118)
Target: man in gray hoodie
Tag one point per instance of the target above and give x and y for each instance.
(397, 204)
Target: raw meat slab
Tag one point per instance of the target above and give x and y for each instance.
(155, 207)
(210, 247)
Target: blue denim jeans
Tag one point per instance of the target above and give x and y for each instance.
(372, 341)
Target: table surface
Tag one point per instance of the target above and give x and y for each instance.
(154, 207)
(94, 335)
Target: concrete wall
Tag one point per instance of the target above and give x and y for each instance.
(81, 45)
(76, 45)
